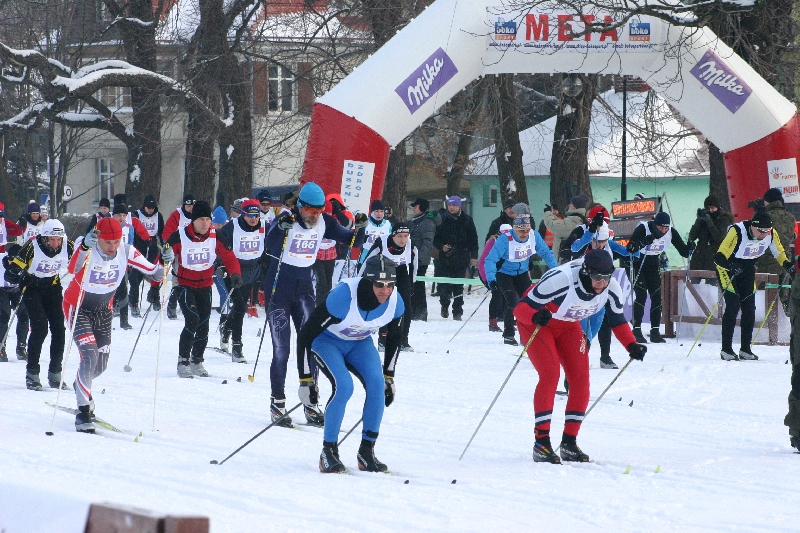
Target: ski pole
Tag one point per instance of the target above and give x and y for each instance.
(221, 309)
(11, 322)
(252, 377)
(127, 368)
(76, 310)
(777, 294)
(346, 265)
(470, 316)
(215, 462)
(730, 282)
(496, 396)
(158, 350)
(351, 430)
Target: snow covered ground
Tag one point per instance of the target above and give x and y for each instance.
(715, 429)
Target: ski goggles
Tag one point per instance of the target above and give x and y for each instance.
(312, 209)
(384, 284)
(597, 276)
(762, 230)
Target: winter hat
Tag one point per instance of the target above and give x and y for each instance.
(522, 222)
(522, 209)
(711, 201)
(119, 208)
(188, 199)
(44, 211)
(311, 195)
(150, 201)
(263, 196)
(377, 205)
(454, 200)
(639, 196)
(201, 209)
(510, 202)
(602, 233)
(505, 228)
(104, 202)
(423, 204)
(251, 206)
(219, 216)
(580, 201)
(761, 219)
(120, 199)
(662, 219)
(379, 268)
(33, 207)
(773, 195)
(599, 261)
(597, 209)
(109, 229)
(400, 227)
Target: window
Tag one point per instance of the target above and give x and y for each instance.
(115, 97)
(105, 179)
(490, 195)
(274, 89)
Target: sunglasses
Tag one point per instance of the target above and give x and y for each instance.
(312, 209)
(597, 276)
(252, 215)
(384, 284)
(762, 230)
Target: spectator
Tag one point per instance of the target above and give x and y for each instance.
(506, 217)
(576, 214)
(423, 230)
(708, 230)
(457, 242)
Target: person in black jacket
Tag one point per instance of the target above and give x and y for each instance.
(457, 242)
(153, 222)
(423, 229)
(506, 217)
(103, 211)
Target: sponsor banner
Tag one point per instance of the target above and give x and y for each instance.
(426, 80)
(783, 176)
(722, 81)
(559, 29)
(357, 185)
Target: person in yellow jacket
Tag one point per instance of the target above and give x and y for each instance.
(735, 260)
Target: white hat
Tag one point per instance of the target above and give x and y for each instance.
(505, 228)
(602, 233)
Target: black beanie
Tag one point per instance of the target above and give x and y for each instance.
(773, 195)
(201, 209)
(599, 261)
(120, 199)
(120, 208)
(761, 219)
(711, 201)
(105, 202)
(150, 201)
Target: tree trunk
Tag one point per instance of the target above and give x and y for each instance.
(569, 166)
(508, 151)
(465, 136)
(236, 167)
(718, 182)
(394, 190)
(12, 210)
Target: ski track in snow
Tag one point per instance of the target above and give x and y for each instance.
(714, 427)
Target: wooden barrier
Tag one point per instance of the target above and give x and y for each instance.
(671, 301)
(108, 518)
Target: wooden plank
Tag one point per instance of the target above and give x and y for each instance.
(186, 524)
(106, 518)
(698, 299)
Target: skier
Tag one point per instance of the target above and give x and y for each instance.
(153, 223)
(178, 219)
(507, 265)
(11, 298)
(265, 209)
(378, 226)
(246, 234)
(7, 229)
(338, 336)
(294, 238)
(497, 303)
(196, 247)
(103, 211)
(552, 309)
(652, 239)
(31, 222)
(218, 219)
(397, 247)
(131, 228)
(109, 256)
(330, 250)
(736, 258)
(36, 268)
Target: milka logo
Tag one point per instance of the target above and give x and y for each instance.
(426, 80)
(721, 81)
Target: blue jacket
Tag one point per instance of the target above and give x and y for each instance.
(499, 254)
(586, 239)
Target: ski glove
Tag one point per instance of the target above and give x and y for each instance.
(236, 281)
(735, 270)
(221, 272)
(790, 269)
(308, 392)
(153, 294)
(360, 221)
(637, 351)
(336, 205)
(90, 240)
(691, 245)
(286, 221)
(388, 391)
(597, 221)
(542, 317)
(493, 285)
(167, 255)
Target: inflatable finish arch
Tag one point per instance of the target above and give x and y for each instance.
(453, 42)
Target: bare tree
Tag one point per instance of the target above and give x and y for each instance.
(508, 151)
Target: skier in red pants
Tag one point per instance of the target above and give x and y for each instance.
(553, 309)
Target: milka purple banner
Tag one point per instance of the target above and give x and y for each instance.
(424, 82)
(722, 81)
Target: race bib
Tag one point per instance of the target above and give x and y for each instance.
(48, 266)
(197, 256)
(249, 244)
(104, 277)
(657, 246)
(753, 250)
(354, 332)
(579, 313)
(149, 225)
(303, 247)
(522, 252)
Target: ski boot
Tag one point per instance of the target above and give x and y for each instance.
(493, 325)
(172, 313)
(543, 452)
(510, 339)
(3, 355)
(22, 351)
(84, 420)
(655, 336)
(607, 362)
(445, 311)
(637, 334)
(277, 409)
(32, 381)
(54, 380)
(236, 355)
(198, 369)
(728, 356)
(329, 462)
(314, 416)
(457, 315)
(381, 342)
(406, 348)
(225, 339)
(135, 312)
(747, 355)
(795, 442)
(123, 323)
(183, 369)
(366, 458)
(570, 451)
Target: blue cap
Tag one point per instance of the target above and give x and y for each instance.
(312, 195)
(219, 216)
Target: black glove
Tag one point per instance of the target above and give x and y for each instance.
(735, 270)
(308, 392)
(153, 295)
(633, 247)
(221, 272)
(648, 240)
(360, 221)
(286, 221)
(542, 317)
(790, 268)
(637, 351)
(691, 245)
(17, 276)
(336, 205)
(388, 391)
(597, 221)
(547, 207)
(236, 281)
(493, 286)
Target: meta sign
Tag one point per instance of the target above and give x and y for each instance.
(626, 215)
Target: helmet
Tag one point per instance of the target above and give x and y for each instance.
(53, 228)
(312, 195)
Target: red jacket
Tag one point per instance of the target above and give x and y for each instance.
(139, 229)
(203, 278)
(12, 230)
(172, 223)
